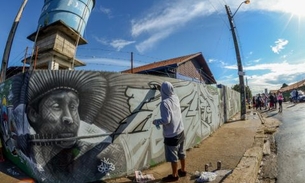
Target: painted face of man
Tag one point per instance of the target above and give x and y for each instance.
(58, 115)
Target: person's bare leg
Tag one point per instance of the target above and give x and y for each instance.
(174, 169)
(182, 162)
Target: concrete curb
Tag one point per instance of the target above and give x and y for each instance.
(248, 168)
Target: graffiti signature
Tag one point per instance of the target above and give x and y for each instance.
(106, 166)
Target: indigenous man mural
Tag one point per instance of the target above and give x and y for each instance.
(60, 138)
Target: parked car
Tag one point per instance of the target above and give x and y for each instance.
(301, 98)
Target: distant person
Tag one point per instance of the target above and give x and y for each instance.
(275, 101)
(280, 99)
(271, 101)
(296, 96)
(173, 131)
(265, 100)
(258, 102)
(292, 95)
(253, 102)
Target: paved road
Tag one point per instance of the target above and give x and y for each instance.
(291, 143)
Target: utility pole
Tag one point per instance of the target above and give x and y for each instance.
(131, 62)
(9, 42)
(246, 89)
(239, 64)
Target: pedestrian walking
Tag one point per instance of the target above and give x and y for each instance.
(296, 96)
(173, 131)
(280, 101)
(258, 103)
(271, 101)
(265, 98)
(275, 101)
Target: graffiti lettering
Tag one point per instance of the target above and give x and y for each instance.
(106, 166)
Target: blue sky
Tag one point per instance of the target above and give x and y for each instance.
(270, 34)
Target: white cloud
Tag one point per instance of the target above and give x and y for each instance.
(231, 67)
(211, 60)
(167, 18)
(268, 75)
(173, 15)
(229, 80)
(279, 45)
(170, 16)
(152, 40)
(120, 43)
(287, 6)
(101, 40)
(108, 64)
(106, 61)
(106, 11)
(220, 63)
(257, 60)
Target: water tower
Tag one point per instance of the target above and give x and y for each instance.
(60, 30)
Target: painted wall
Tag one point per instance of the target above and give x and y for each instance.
(82, 126)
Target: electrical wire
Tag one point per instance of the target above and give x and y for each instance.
(218, 13)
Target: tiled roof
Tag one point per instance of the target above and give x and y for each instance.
(273, 91)
(175, 61)
(293, 86)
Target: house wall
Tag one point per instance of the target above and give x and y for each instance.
(82, 126)
(189, 69)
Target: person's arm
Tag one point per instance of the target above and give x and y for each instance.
(165, 115)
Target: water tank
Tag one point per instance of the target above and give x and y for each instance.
(74, 13)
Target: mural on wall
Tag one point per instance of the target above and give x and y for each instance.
(57, 137)
(233, 102)
(81, 126)
(229, 103)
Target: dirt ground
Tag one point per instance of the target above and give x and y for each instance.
(228, 145)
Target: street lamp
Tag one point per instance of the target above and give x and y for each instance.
(246, 2)
(239, 65)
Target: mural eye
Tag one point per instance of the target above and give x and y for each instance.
(73, 107)
(55, 106)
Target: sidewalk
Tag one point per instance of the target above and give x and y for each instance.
(238, 144)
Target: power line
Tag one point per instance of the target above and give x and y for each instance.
(218, 13)
(119, 51)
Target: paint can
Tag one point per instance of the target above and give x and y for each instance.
(206, 167)
(218, 165)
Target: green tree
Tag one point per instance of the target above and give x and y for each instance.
(284, 85)
(247, 91)
(236, 87)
